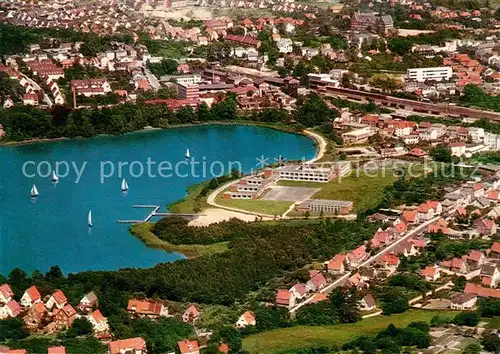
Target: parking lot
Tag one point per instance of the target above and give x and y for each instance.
(292, 194)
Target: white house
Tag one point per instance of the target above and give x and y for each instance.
(57, 299)
(457, 148)
(11, 309)
(98, 321)
(30, 297)
(463, 301)
(6, 293)
(246, 319)
(285, 45)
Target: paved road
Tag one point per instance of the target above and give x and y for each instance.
(346, 276)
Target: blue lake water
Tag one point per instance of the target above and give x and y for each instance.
(53, 229)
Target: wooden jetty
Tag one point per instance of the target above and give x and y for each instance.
(155, 213)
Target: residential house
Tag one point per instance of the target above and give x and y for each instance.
(147, 308)
(57, 299)
(64, 317)
(98, 321)
(356, 281)
(285, 298)
(431, 273)
(457, 148)
(485, 227)
(30, 297)
(463, 301)
(88, 302)
(317, 281)
(389, 261)
(409, 216)
(35, 316)
(367, 273)
(367, 303)
(6, 293)
(135, 345)
(405, 248)
(189, 347)
(456, 265)
(336, 264)
(299, 290)
(11, 309)
(357, 256)
(246, 319)
(494, 251)
(191, 314)
(30, 99)
(475, 259)
(490, 275)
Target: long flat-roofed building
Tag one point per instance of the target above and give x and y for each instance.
(342, 207)
(310, 172)
(422, 74)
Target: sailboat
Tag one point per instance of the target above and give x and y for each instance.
(54, 177)
(188, 155)
(124, 185)
(89, 221)
(34, 192)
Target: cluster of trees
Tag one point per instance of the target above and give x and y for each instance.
(341, 307)
(26, 122)
(441, 153)
(392, 339)
(175, 230)
(403, 45)
(10, 88)
(165, 67)
(15, 39)
(477, 97)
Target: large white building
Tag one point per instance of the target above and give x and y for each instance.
(422, 74)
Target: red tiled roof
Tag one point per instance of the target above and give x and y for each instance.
(97, 316)
(56, 350)
(116, 347)
(283, 297)
(147, 307)
(6, 291)
(33, 293)
(188, 346)
(318, 297)
(59, 296)
(14, 307)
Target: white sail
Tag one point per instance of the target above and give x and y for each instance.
(34, 191)
(90, 219)
(124, 185)
(188, 155)
(54, 177)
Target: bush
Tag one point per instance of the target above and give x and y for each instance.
(470, 319)
(398, 306)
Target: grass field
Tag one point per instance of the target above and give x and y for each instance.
(365, 191)
(143, 232)
(190, 203)
(313, 336)
(269, 207)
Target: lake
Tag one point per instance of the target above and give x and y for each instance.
(52, 228)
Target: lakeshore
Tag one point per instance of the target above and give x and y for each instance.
(112, 242)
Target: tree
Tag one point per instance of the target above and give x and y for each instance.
(12, 328)
(473, 348)
(397, 306)
(80, 327)
(491, 342)
(470, 319)
(441, 153)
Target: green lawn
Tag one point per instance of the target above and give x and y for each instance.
(190, 203)
(365, 191)
(269, 207)
(143, 232)
(313, 336)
